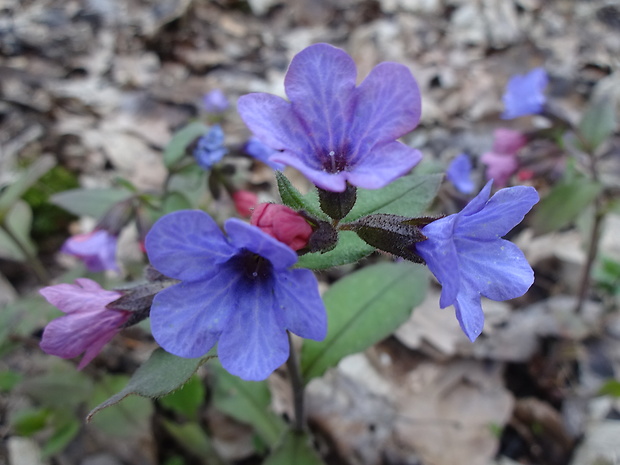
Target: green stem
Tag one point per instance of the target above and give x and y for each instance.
(297, 387)
(32, 260)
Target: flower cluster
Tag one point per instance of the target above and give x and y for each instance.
(210, 148)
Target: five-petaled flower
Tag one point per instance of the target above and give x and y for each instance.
(236, 289)
(210, 148)
(331, 130)
(525, 94)
(96, 249)
(469, 258)
(502, 161)
(87, 326)
(459, 174)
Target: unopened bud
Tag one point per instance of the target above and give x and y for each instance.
(282, 223)
(244, 201)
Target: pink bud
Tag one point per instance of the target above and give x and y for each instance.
(283, 224)
(245, 201)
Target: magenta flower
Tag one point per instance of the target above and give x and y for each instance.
(96, 249)
(525, 94)
(469, 258)
(238, 290)
(331, 130)
(502, 161)
(88, 325)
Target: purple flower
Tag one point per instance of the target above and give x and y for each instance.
(524, 94)
(96, 249)
(459, 174)
(331, 130)
(210, 148)
(88, 325)
(502, 161)
(237, 290)
(469, 258)
(215, 101)
(261, 152)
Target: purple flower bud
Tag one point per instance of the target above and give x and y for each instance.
(87, 326)
(210, 148)
(525, 94)
(96, 249)
(215, 101)
(502, 161)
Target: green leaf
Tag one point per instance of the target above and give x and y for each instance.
(291, 197)
(362, 309)
(350, 249)
(175, 201)
(186, 400)
(194, 440)
(27, 179)
(63, 434)
(26, 422)
(128, 419)
(295, 448)
(9, 379)
(18, 220)
(247, 402)
(610, 388)
(160, 375)
(407, 196)
(50, 389)
(90, 202)
(565, 203)
(181, 139)
(598, 123)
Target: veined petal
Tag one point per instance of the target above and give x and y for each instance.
(501, 213)
(187, 245)
(187, 318)
(298, 299)
(254, 342)
(320, 83)
(86, 296)
(469, 312)
(497, 269)
(382, 165)
(476, 204)
(250, 237)
(334, 182)
(388, 106)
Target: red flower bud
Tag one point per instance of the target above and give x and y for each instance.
(244, 202)
(283, 224)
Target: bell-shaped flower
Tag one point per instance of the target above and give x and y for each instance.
(237, 290)
(87, 326)
(96, 249)
(525, 94)
(502, 161)
(210, 148)
(331, 130)
(469, 258)
(459, 174)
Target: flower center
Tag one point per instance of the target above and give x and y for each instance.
(334, 162)
(253, 266)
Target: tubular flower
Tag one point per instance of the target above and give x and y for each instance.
(282, 223)
(502, 161)
(96, 249)
(469, 258)
(331, 130)
(525, 94)
(459, 174)
(88, 325)
(236, 289)
(245, 201)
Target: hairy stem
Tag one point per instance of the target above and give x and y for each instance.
(297, 387)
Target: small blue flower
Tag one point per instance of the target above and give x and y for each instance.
(210, 148)
(524, 94)
(256, 149)
(236, 289)
(469, 258)
(331, 130)
(215, 101)
(459, 174)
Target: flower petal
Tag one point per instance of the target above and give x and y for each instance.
(502, 212)
(497, 269)
(469, 312)
(86, 296)
(334, 182)
(382, 165)
(297, 297)
(388, 106)
(187, 318)
(187, 245)
(320, 83)
(246, 236)
(476, 204)
(254, 342)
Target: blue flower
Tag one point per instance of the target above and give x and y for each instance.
(261, 152)
(331, 130)
(237, 290)
(469, 258)
(459, 174)
(215, 101)
(210, 148)
(524, 94)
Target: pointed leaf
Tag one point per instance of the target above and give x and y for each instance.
(362, 309)
(247, 402)
(18, 221)
(598, 123)
(181, 140)
(160, 375)
(186, 400)
(90, 202)
(291, 197)
(295, 448)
